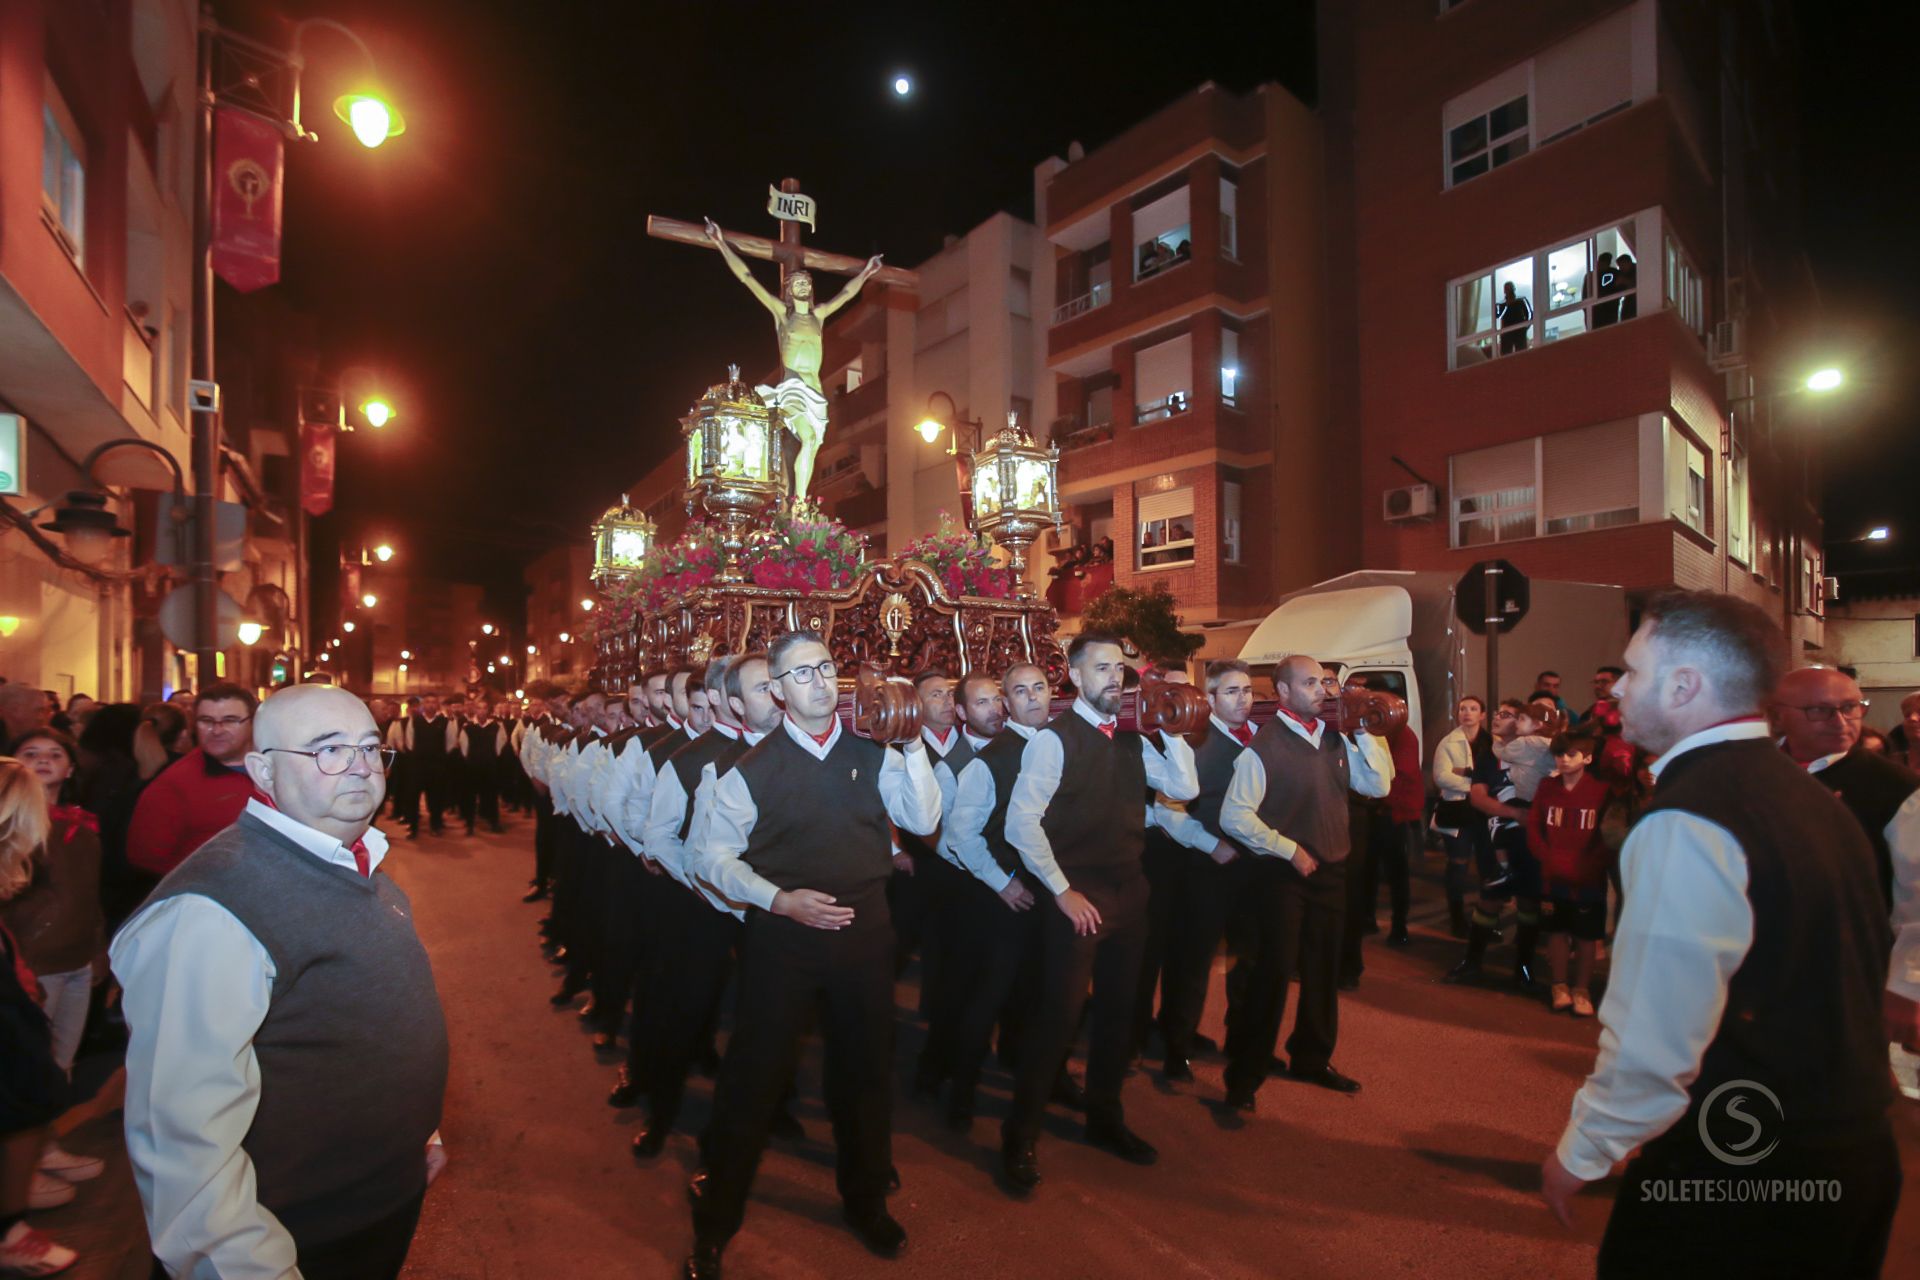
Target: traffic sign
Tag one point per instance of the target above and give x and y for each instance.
(1491, 594)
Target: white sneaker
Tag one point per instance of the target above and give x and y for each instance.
(62, 1163)
(25, 1252)
(49, 1193)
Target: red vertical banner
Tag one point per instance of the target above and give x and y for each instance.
(316, 468)
(247, 173)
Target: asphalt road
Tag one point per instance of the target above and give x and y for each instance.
(1429, 1171)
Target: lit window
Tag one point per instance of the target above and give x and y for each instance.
(63, 174)
(1163, 379)
(1571, 288)
(1230, 372)
(1166, 529)
(1493, 313)
(1162, 234)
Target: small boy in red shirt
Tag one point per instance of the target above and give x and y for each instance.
(1563, 834)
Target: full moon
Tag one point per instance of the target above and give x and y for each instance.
(902, 86)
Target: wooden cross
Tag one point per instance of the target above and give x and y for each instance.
(787, 251)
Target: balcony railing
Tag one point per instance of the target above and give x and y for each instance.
(1098, 296)
(1071, 433)
(1178, 402)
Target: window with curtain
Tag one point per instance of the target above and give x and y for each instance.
(1229, 219)
(63, 173)
(1231, 375)
(1162, 234)
(1590, 477)
(1163, 379)
(1230, 498)
(1165, 522)
(1492, 493)
(1687, 487)
(1739, 508)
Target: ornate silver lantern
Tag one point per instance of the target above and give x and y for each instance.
(735, 466)
(1016, 494)
(622, 537)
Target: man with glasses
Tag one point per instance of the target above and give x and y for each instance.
(201, 792)
(274, 1124)
(798, 831)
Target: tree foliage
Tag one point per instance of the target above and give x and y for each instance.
(1145, 619)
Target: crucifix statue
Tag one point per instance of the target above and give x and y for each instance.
(797, 318)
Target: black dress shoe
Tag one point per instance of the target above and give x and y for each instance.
(1205, 1044)
(877, 1230)
(783, 1125)
(1019, 1165)
(1240, 1098)
(1398, 938)
(704, 1262)
(536, 894)
(650, 1141)
(625, 1093)
(1177, 1071)
(569, 991)
(1114, 1137)
(1068, 1093)
(1349, 982)
(1327, 1078)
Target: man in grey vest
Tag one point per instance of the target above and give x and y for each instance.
(1741, 1049)
(288, 1054)
(1286, 803)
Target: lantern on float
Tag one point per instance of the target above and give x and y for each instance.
(622, 537)
(735, 468)
(1016, 494)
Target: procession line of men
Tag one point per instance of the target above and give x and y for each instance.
(458, 755)
(724, 822)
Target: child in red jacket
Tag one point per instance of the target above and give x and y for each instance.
(1563, 834)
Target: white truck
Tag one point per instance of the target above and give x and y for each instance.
(1401, 627)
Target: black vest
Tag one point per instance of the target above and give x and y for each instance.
(689, 760)
(661, 749)
(429, 736)
(821, 824)
(1873, 788)
(957, 757)
(483, 743)
(1803, 1008)
(1095, 821)
(727, 753)
(1002, 759)
(1306, 798)
(1213, 763)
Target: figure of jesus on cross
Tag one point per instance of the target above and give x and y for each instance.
(796, 323)
(797, 320)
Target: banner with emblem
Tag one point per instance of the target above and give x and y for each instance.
(316, 468)
(791, 206)
(247, 173)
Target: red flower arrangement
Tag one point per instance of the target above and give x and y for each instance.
(803, 554)
(962, 561)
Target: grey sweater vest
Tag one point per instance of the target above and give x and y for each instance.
(1306, 797)
(353, 1051)
(1096, 821)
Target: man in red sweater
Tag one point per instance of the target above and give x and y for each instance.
(203, 791)
(1563, 834)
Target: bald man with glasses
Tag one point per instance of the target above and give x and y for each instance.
(288, 1054)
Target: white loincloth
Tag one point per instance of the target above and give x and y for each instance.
(799, 404)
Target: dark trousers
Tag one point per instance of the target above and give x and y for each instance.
(683, 1001)
(579, 901)
(403, 789)
(1110, 961)
(1736, 1236)
(1298, 922)
(945, 891)
(653, 925)
(998, 945)
(786, 971)
(1165, 862)
(479, 792)
(1214, 899)
(910, 903)
(623, 937)
(374, 1252)
(544, 834)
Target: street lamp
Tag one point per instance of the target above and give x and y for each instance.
(383, 553)
(566, 637)
(406, 654)
(1879, 533)
(935, 422)
(586, 605)
(251, 630)
(1825, 380)
(486, 628)
(347, 626)
(378, 413)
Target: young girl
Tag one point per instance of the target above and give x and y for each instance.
(32, 1086)
(1564, 834)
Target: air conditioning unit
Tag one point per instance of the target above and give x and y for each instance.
(1727, 348)
(1829, 591)
(1414, 502)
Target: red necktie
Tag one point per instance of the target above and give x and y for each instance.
(1245, 735)
(361, 859)
(1107, 729)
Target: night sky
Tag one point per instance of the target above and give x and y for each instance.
(491, 269)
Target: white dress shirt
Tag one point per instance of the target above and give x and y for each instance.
(1902, 834)
(1172, 774)
(694, 848)
(907, 789)
(948, 780)
(1369, 773)
(197, 985)
(1174, 819)
(665, 813)
(965, 825)
(1685, 927)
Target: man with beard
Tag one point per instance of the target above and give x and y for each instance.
(1078, 816)
(799, 831)
(1747, 976)
(982, 712)
(1287, 804)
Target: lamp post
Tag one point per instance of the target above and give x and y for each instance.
(734, 468)
(930, 428)
(1016, 494)
(372, 125)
